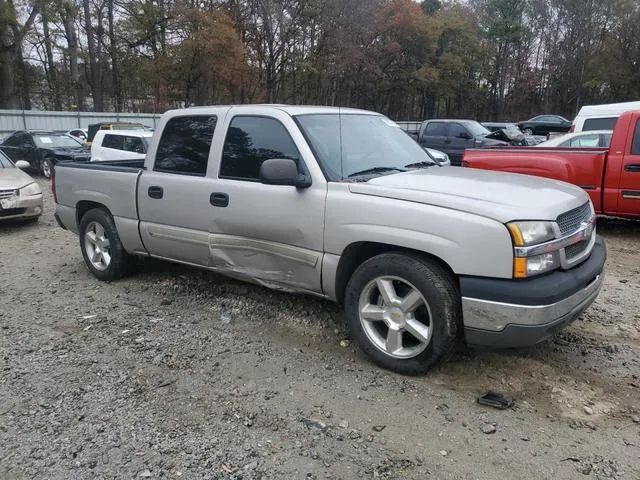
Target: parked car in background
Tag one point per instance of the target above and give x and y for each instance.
(20, 195)
(120, 145)
(412, 128)
(592, 139)
(79, 133)
(601, 117)
(95, 127)
(342, 204)
(513, 134)
(42, 150)
(440, 157)
(611, 176)
(507, 132)
(454, 136)
(544, 124)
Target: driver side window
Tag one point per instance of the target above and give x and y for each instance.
(458, 131)
(252, 140)
(26, 141)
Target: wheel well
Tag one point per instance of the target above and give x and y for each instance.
(357, 253)
(84, 206)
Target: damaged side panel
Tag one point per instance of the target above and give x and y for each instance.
(271, 264)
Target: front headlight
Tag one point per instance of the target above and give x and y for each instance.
(529, 234)
(525, 234)
(30, 190)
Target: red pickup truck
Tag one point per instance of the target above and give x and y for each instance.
(610, 176)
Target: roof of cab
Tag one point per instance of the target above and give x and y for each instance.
(292, 110)
(129, 133)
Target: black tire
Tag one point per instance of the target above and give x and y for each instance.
(121, 264)
(439, 292)
(46, 167)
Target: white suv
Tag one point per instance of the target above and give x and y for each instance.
(120, 145)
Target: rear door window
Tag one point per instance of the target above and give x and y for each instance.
(436, 129)
(12, 141)
(184, 146)
(585, 141)
(600, 123)
(113, 141)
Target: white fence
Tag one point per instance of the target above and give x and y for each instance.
(12, 120)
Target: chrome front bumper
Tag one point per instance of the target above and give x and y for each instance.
(513, 313)
(495, 316)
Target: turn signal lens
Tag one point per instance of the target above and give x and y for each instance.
(519, 267)
(518, 241)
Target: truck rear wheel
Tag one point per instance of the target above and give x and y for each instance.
(101, 247)
(47, 167)
(404, 311)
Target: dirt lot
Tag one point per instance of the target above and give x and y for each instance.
(179, 373)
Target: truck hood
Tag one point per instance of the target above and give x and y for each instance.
(501, 196)
(13, 178)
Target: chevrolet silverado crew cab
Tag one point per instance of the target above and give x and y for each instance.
(343, 204)
(611, 176)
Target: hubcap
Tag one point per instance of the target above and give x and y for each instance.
(97, 246)
(395, 316)
(46, 168)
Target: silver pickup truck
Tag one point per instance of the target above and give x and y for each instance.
(343, 204)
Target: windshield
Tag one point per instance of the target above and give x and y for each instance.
(350, 145)
(49, 141)
(4, 162)
(476, 129)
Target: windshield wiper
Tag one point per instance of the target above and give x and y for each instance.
(375, 170)
(421, 165)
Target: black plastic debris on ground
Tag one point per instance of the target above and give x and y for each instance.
(495, 400)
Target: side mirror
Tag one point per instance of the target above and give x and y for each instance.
(283, 171)
(23, 164)
(465, 135)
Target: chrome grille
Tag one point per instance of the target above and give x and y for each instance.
(570, 221)
(8, 193)
(576, 249)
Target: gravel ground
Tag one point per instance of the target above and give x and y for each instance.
(180, 373)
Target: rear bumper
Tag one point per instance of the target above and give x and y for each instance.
(66, 218)
(518, 313)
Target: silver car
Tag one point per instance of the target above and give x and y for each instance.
(20, 195)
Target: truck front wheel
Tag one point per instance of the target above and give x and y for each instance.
(404, 311)
(101, 247)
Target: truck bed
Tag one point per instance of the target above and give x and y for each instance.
(135, 164)
(80, 186)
